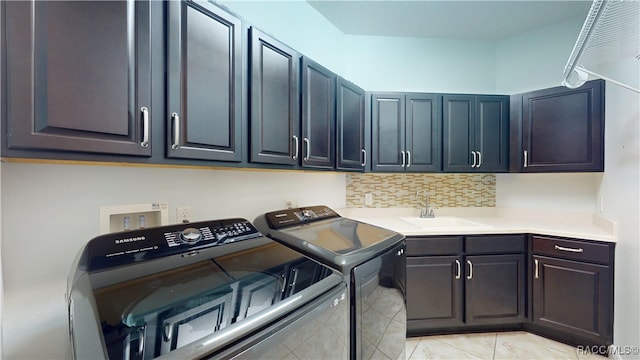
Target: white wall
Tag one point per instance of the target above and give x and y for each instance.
(298, 25)
(421, 65)
(535, 60)
(620, 190)
(50, 211)
(562, 192)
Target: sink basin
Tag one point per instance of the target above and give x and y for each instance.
(444, 222)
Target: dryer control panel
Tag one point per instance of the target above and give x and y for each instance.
(298, 216)
(116, 249)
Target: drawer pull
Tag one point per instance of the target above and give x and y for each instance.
(562, 248)
(537, 276)
(470, 276)
(458, 269)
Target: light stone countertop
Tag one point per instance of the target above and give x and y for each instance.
(495, 220)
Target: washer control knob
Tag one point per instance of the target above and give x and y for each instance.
(190, 236)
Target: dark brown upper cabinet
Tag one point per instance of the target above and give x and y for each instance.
(351, 151)
(204, 74)
(475, 133)
(78, 76)
(318, 115)
(274, 101)
(405, 132)
(558, 129)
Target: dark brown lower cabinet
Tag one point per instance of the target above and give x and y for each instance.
(494, 289)
(481, 283)
(448, 293)
(572, 290)
(434, 292)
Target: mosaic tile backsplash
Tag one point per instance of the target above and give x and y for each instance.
(399, 190)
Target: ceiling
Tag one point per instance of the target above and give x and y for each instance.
(448, 19)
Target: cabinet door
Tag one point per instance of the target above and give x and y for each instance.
(492, 133)
(434, 292)
(573, 297)
(79, 76)
(318, 115)
(563, 129)
(204, 82)
(423, 135)
(387, 131)
(275, 114)
(494, 289)
(458, 133)
(350, 153)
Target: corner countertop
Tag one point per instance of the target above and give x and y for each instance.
(494, 220)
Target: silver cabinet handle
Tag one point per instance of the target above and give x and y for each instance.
(458, 269)
(408, 158)
(473, 155)
(168, 332)
(479, 159)
(562, 248)
(145, 126)
(295, 277)
(140, 341)
(403, 159)
(470, 276)
(364, 157)
(306, 144)
(295, 148)
(283, 278)
(537, 274)
(175, 119)
(526, 158)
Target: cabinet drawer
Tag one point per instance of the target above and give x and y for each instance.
(434, 245)
(571, 249)
(494, 244)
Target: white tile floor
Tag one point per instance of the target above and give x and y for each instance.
(501, 345)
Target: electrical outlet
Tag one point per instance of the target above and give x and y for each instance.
(368, 199)
(183, 214)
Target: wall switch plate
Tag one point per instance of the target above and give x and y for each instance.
(368, 199)
(183, 214)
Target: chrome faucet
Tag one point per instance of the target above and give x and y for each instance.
(425, 212)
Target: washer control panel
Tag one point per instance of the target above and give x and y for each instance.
(212, 234)
(117, 249)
